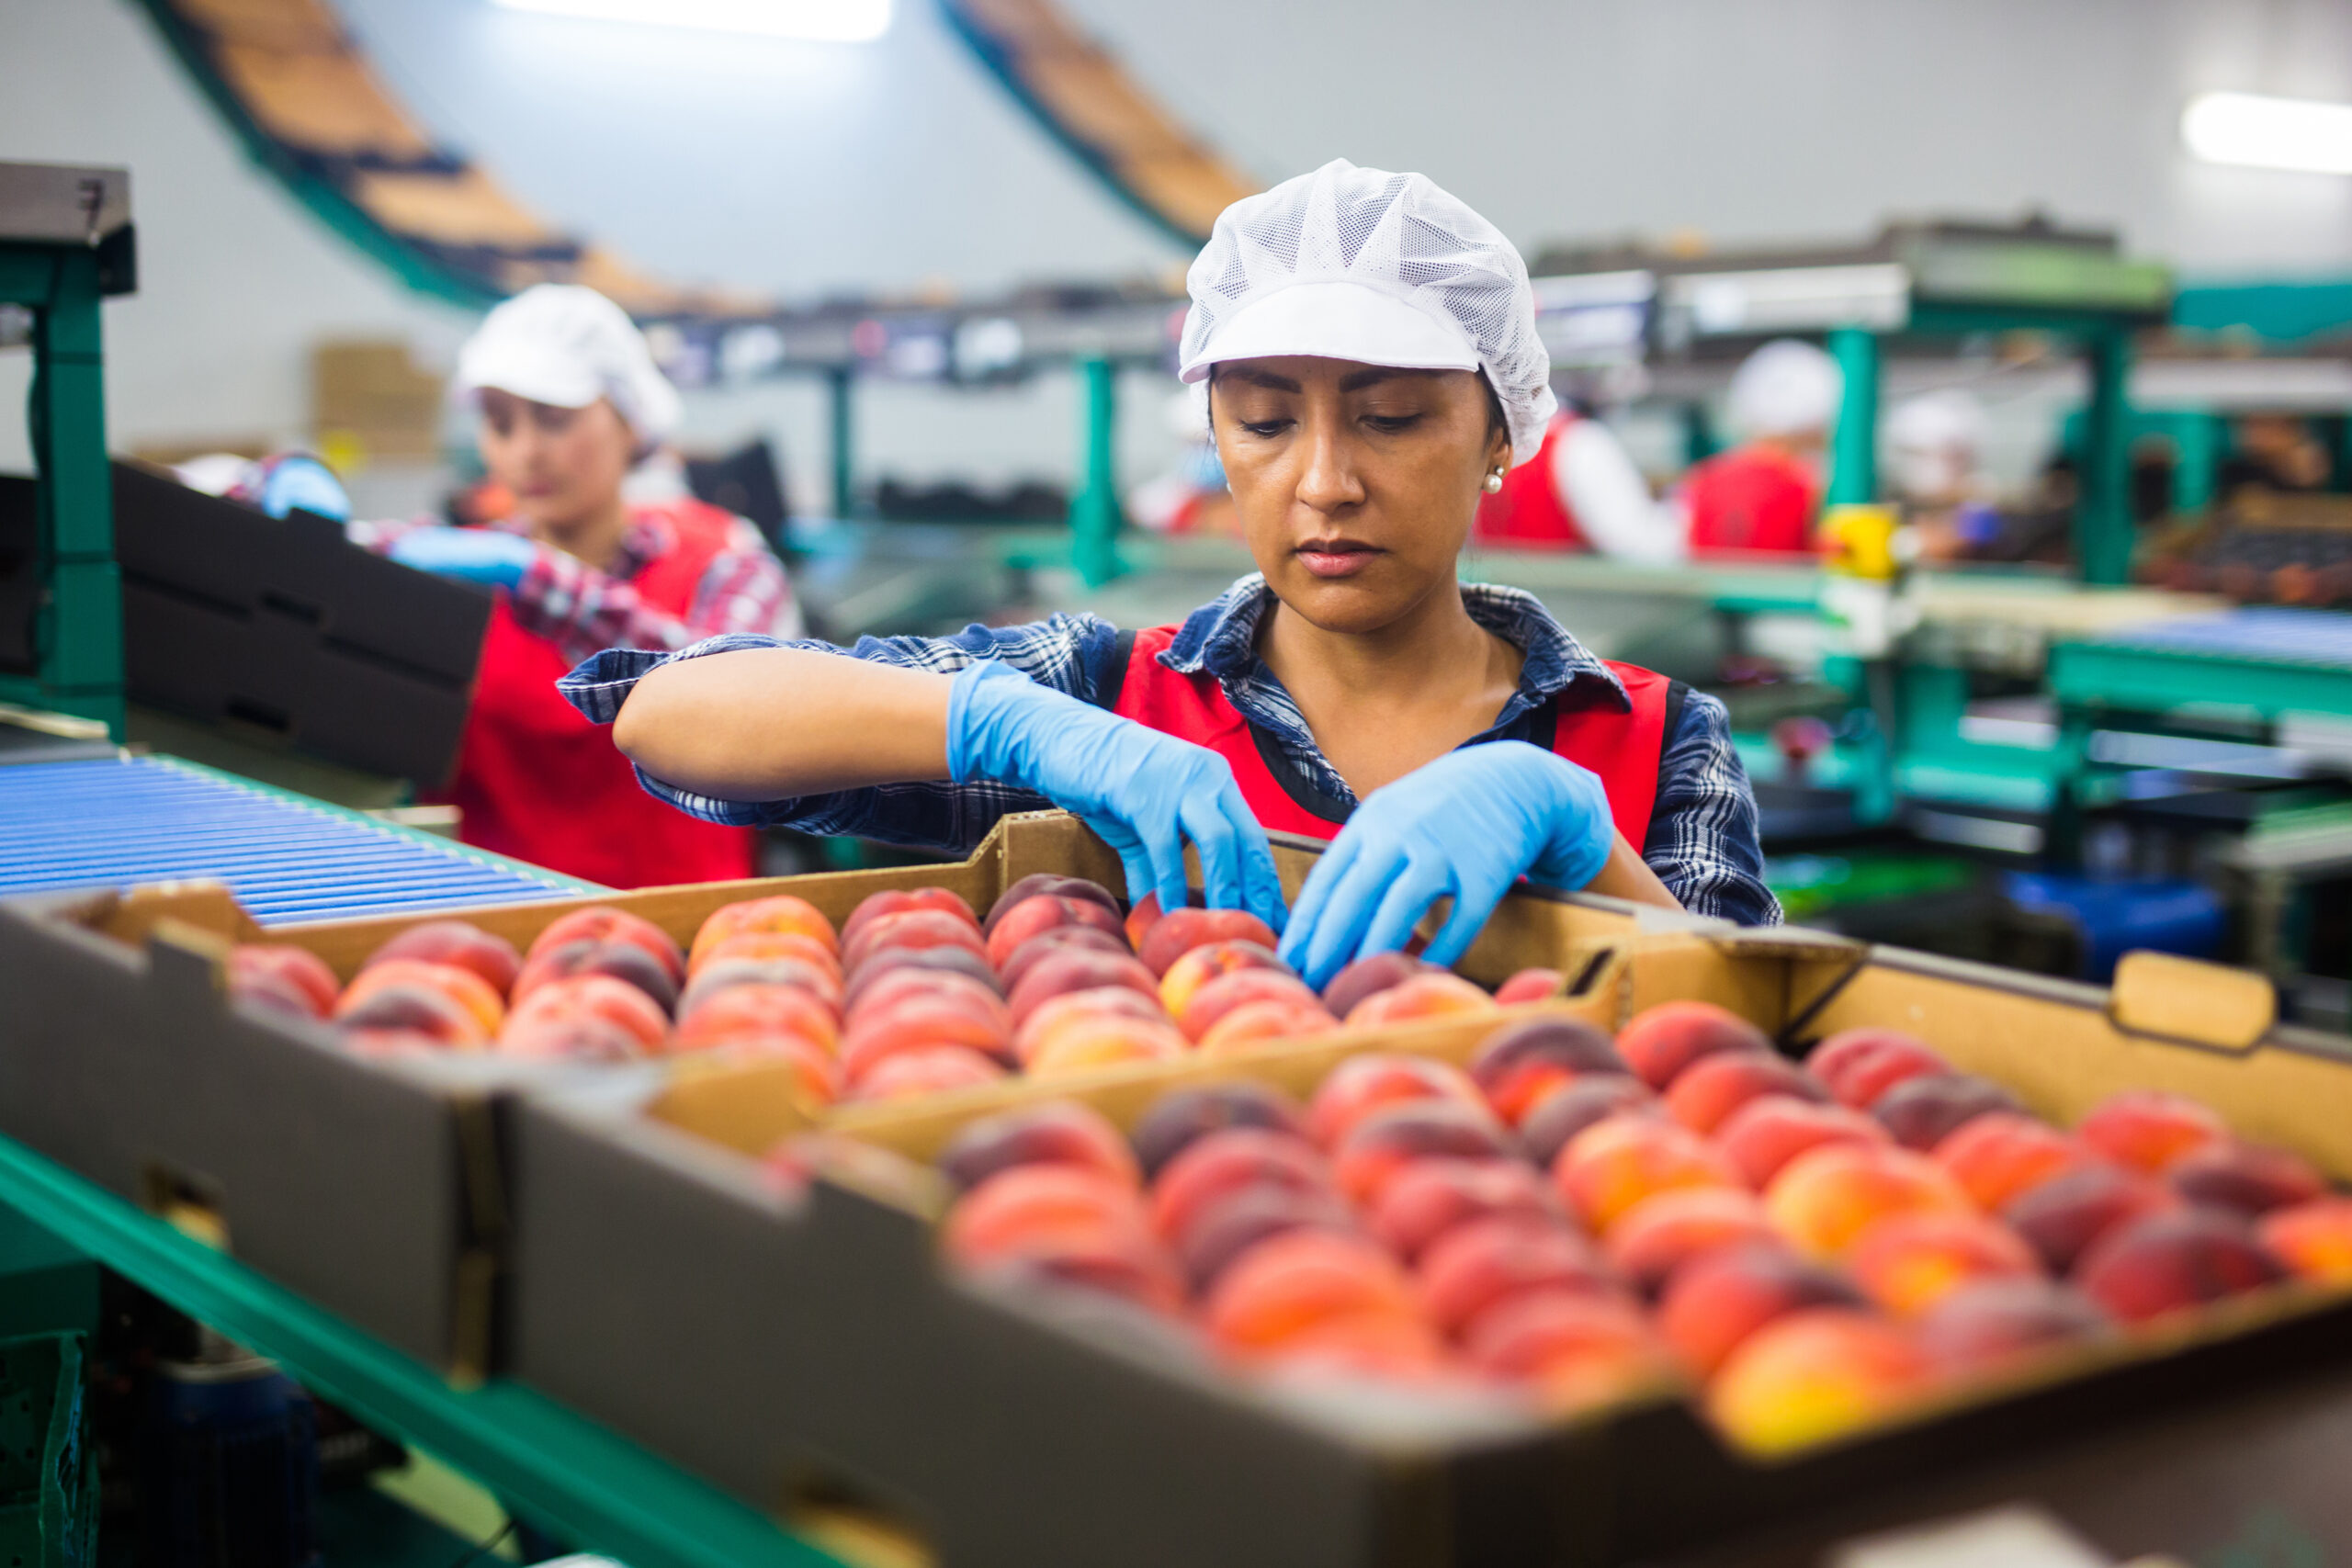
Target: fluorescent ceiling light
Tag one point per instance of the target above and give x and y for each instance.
(2269, 133)
(829, 21)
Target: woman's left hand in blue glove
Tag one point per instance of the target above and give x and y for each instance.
(1466, 826)
(489, 556)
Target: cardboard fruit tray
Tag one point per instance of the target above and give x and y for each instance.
(812, 1349)
(381, 1188)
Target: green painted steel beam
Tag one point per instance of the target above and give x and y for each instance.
(1094, 513)
(841, 406)
(565, 1473)
(2150, 680)
(2103, 532)
(1854, 449)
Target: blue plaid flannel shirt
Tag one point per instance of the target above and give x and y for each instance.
(1702, 837)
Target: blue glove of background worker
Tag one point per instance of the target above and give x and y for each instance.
(298, 480)
(1469, 825)
(489, 555)
(1143, 791)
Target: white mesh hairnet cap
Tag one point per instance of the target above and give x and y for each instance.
(566, 346)
(1948, 420)
(1786, 388)
(1374, 267)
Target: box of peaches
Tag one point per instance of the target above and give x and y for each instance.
(1731, 1225)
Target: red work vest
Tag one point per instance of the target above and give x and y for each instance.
(1529, 512)
(1751, 498)
(537, 780)
(1622, 748)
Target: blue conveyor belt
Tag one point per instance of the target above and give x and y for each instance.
(2269, 634)
(124, 820)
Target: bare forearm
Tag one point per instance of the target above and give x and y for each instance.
(1626, 875)
(777, 723)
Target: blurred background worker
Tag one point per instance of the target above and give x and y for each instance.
(2274, 452)
(1764, 494)
(1935, 446)
(569, 402)
(1582, 492)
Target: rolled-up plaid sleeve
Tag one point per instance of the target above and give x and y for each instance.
(1703, 841)
(1073, 654)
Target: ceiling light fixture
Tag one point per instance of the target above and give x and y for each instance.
(826, 22)
(2261, 132)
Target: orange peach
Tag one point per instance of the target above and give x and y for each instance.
(1141, 917)
(912, 928)
(1361, 1085)
(1980, 1328)
(1034, 916)
(947, 988)
(764, 946)
(1105, 1043)
(1180, 1118)
(1432, 994)
(393, 1042)
(1430, 1197)
(1564, 1110)
(1572, 1349)
(2251, 1178)
(778, 912)
(938, 1070)
(1703, 1095)
(1290, 1283)
(1997, 1155)
(1367, 977)
(1031, 1206)
(1193, 970)
(1240, 1220)
(2170, 1261)
(1661, 1041)
(1217, 1165)
(1533, 985)
(1479, 1264)
(2062, 1217)
(465, 987)
(1860, 1065)
(1075, 969)
(1056, 1015)
(1922, 1112)
(579, 1038)
(722, 973)
(1765, 1134)
(1826, 1198)
(621, 960)
(915, 1023)
(595, 996)
(742, 1012)
(1907, 1263)
(460, 943)
(1239, 988)
(1382, 1144)
(1045, 885)
(1713, 1305)
(2312, 1238)
(1178, 931)
(1259, 1023)
(1816, 1374)
(415, 1010)
(1053, 1131)
(1520, 1063)
(1667, 1230)
(1029, 953)
(817, 1074)
(897, 902)
(1375, 1345)
(1614, 1164)
(294, 973)
(602, 923)
(2148, 1128)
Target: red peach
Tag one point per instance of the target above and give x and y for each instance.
(1238, 988)
(916, 1024)
(1667, 1230)
(898, 987)
(1520, 1063)
(1907, 1263)
(1661, 1041)
(1192, 970)
(1055, 1131)
(1075, 969)
(1815, 1374)
(1082, 1047)
(602, 923)
(1259, 1023)
(1765, 1134)
(1293, 1283)
(1118, 1263)
(1983, 1326)
(2148, 1128)
(1826, 1198)
(394, 1041)
(1377, 1147)
(884, 962)
(2249, 1177)
(719, 974)
(898, 901)
(1141, 917)
(744, 1011)
(1574, 1349)
(1034, 917)
(912, 928)
(1031, 1206)
(272, 991)
(460, 943)
(1566, 1110)
(778, 912)
(597, 996)
(1367, 977)
(1704, 1095)
(1377, 1345)
(580, 1038)
(1178, 931)
(2167, 1262)
(297, 970)
(1240, 1220)
(463, 987)
(1045, 885)
(1529, 985)
(937, 1070)
(1479, 1264)
(414, 1010)
(1217, 1165)
(1614, 1164)
(621, 960)
(2062, 1217)
(1026, 956)
(762, 946)
(1997, 1155)
(1711, 1306)
(1860, 1065)
(1923, 1111)
(819, 1076)
(1361, 1085)
(1182, 1117)
(1430, 1197)
(1432, 994)
(2312, 1238)
(1057, 1015)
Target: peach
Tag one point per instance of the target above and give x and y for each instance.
(1983, 1325)
(1045, 885)
(381, 1043)
(2164, 1262)
(897, 902)
(1025, 957)
(1997, 1155)
(1430, 1197)
(2060, 1218)
(1614, 1164)
(1433, 993)
(1923, 1111)
(272, 991)
(719, 974)
(1860, 1065)
(2148, 1128)
(581, 1037)
(1178, 1120)
(417, 1010)
(599, 995)
(1815, 1374)
(1533, 985)
(2312, 1238)
(1193, 970)
(1566, 1110)
(1141, 916)
(1290, 1283)
(1367, 977)
(1907, 1263)
(1520, 1063)
(1826, 1198)
(1765, 1134)
(885, 962)
(1217, 1165)
(764, 946)
(742, 1012)
(1056, 1014)
(1704, 1095)
(1178, 931)
(1661, 1041)
(1377, 1345)
(1361, 1085)
(1660, 1234)
(1053, 1131)
(819, 1076)
(898, 987)
(2252, 1178)
(1259, 1023)
(602, 923)
(1105, 1043)
(1240, 1220)
(287, 973)
(1118, 1263)
(1034, 917)
(621, 960)
(916, 1023)
(1075, 969)
(460, 943)
(778, 912)
(463, 987)
(915, 929)
(1034, 1206)
(1712, 1306)
(792, 1162)
(1574, 1349)
(1382, 1144)
(1239, 987)
(1476, 1265)
(938, 1070)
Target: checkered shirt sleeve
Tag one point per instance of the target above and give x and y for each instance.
(582, 610)
(1703, 840)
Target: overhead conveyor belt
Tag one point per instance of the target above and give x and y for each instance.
(120, 820)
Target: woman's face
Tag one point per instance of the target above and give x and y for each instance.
(1356, 484)
(561, 465)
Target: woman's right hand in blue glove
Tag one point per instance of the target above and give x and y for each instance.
(1143, 791)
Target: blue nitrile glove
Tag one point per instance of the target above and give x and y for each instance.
(299, 479)
(1143, 791)
(477, 554)
(1469, 824)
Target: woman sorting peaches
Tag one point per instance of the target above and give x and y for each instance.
(1368, 347)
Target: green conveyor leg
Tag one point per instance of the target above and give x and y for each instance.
(840, 405)
(1853, 452)
(1094, 510)
(2103, 517)
(80, 634)
(2198, 440)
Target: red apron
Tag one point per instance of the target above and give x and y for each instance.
(1751, 498)
(539, 783)
(1622, 748)
(1529, 512)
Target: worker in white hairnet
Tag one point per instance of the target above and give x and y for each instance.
(1369, 348)
(1582, 492)
(1763, 495)
(1934, 444)
(567, 402)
